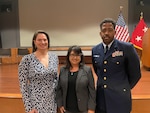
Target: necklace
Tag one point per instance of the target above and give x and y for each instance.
(72, 73)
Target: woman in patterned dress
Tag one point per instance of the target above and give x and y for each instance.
(38, 74)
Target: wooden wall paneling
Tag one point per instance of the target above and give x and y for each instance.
(11, 100)
(140, 105)
(14, 55)
(146, 51)
(11, 105)
(15, 105)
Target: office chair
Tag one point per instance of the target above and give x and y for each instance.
(21, 53)
(5, 53)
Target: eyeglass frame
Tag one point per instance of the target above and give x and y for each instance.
(75, 55)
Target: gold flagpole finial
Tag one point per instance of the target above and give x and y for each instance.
(121, 7)
(141, 16)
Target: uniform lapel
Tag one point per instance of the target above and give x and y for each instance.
(80, 72)
(101, 52)
(66, 74)
(111, 50)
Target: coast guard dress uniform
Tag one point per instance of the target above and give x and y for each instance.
(118, 71)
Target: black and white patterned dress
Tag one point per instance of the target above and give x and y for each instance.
(38, 83)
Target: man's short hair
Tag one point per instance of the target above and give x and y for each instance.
(108, 20)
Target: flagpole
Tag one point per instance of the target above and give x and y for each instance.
(141, 16)
(121, 7)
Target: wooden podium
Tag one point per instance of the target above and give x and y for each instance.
(146, 51)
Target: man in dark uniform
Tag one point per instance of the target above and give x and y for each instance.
(117, 66)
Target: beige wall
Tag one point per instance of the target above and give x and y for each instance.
(68, 22)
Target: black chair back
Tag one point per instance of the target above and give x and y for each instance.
(5, 52)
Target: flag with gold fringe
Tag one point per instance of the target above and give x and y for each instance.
(138, 33)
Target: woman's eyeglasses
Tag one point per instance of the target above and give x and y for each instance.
(75, 55)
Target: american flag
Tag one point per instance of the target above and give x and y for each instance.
(122, 33)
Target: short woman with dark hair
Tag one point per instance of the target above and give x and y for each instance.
(76, 92)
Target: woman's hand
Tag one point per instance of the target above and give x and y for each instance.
(62, 109)
(33, 111)
(91, 111)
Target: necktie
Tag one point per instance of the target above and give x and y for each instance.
(106, 49)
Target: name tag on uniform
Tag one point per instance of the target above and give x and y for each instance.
(117, 53)
(96, 56)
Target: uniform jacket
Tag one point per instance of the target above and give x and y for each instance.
(118, 72)
(85, 90)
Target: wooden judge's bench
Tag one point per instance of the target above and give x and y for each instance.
(14, 55)
(146, 49)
